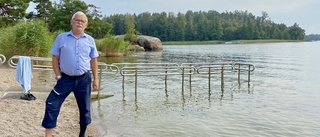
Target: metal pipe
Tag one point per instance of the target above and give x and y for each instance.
(135, 91)
(100, 76)
(209, 80)
(239, 74)
(222, 77)
(190, 71)
(2, 59)
(165, 82)
(249, 74)
(182, 81)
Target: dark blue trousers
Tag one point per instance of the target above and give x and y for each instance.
(81, 87)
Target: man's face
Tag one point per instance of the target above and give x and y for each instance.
(79, 23)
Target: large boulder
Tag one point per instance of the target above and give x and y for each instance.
(137, 48)
(150, 43)
(145, 43)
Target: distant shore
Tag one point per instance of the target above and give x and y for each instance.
(223, 42)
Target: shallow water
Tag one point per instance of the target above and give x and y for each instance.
(281, 99)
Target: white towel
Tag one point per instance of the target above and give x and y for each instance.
(24, 73)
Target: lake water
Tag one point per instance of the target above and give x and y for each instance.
(281, 99)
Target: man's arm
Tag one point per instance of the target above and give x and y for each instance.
(94, 68)
(55, 66)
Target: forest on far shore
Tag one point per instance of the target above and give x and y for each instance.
(312, 37)
(167, 26)
(206, 26)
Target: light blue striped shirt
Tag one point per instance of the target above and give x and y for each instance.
(75, 53)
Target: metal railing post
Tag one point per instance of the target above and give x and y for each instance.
(209, 80)
(100, 76)
(190, 71)
(136, 78)
(222, 77)
(123, 84)
(249, 73)
(165, 82)
(238, 74)
(182, 81)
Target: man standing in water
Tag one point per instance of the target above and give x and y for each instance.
(74, 54)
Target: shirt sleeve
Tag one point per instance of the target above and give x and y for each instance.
(94, 52)
(55, 49)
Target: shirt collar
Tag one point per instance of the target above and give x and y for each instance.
(71, 34)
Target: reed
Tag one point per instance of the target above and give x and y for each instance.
(28, 38)
(113, 46)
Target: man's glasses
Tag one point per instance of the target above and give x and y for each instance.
(79, 20)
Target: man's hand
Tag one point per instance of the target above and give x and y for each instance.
(95, 85)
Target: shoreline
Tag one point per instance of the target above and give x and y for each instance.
(23, 118)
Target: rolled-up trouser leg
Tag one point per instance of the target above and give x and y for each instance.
(54, 101)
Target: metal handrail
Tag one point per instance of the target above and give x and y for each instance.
(2, 59)
(215, 69)
(152, 69)
(12, 62)
(121, 65)
(105, 68)
(205, 64)
(148, 69)
(187, 70)
(244, 66)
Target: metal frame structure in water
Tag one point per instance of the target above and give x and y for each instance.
(155, 69)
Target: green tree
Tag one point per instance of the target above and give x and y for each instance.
(118, 23)
(160, 26)
(296, 32)
(171, 33)
(195, 26)
(190, 26)
(62, 13)
(180, 27)
(144, 21)
(130, 29)
(43, 8)
(202, 25)
(12, 10)
(215, 28)
(97, 28)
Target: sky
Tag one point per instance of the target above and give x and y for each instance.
(303, 12)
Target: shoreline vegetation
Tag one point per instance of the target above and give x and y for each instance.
(226, 42)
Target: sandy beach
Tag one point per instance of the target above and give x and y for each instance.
(22, 118)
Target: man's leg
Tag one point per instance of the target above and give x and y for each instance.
(49, 132)
(53, 103)
(82, 93)
(82, 130)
